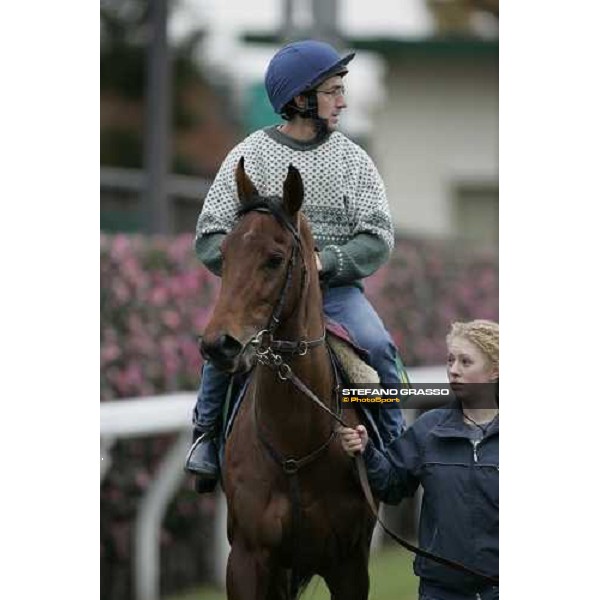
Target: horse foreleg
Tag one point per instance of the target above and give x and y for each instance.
(349, 580)
(247, 573)
(279, 584)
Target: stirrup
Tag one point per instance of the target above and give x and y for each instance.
(194, 468)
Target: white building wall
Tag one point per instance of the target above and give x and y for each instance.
(437, 128)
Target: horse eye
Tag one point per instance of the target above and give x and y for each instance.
(274, 262)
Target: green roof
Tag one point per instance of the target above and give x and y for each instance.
(449, 45)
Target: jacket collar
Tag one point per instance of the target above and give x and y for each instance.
(452, 425)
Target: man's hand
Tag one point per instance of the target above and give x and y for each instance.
(319, 265)
(354, 440)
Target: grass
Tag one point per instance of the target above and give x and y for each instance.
(391, 574)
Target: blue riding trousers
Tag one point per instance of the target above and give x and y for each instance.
(348, 306)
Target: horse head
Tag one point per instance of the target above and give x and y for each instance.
(267, 260)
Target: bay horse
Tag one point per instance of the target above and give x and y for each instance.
(295, 508)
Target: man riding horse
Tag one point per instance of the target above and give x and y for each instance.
(345, 204)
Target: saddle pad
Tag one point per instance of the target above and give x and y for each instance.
(336, 329)
(354, 366)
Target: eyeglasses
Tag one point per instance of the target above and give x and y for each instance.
(336, 92)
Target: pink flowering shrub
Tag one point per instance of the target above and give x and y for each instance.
(427, 285)
(156, 298)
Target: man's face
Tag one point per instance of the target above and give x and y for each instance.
(331, 101)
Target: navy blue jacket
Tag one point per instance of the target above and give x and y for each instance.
(459, 515)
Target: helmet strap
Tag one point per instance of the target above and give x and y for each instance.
(311, 111)
(312, 107)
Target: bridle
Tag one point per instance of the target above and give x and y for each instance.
(269, 354)
(269, 349)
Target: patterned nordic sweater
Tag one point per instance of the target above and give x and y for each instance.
(344, 201)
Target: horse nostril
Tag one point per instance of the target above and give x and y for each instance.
(225, 347)
(230, 347)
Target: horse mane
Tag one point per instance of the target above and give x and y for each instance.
(271, 205)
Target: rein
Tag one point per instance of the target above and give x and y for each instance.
(269, 351)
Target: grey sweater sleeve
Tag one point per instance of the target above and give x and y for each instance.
(221, 202)
(218, 213)
(358, 258)
(208, 250)
(341, 264)
(373, 237)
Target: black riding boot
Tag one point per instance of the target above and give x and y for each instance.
(203, 458)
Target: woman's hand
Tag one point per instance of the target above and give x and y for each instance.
(354, 440)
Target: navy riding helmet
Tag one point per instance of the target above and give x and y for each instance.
(300, 67)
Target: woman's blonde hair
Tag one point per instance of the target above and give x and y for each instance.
(481, 332)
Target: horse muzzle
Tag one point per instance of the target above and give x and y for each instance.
(224, 351)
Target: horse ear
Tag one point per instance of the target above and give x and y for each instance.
(293, 191)
(245, 187)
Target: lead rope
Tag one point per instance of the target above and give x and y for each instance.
(284, 372)
(364, 483)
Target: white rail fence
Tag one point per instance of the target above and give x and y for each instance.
(167, 414)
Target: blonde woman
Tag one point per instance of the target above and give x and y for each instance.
(453, 453)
